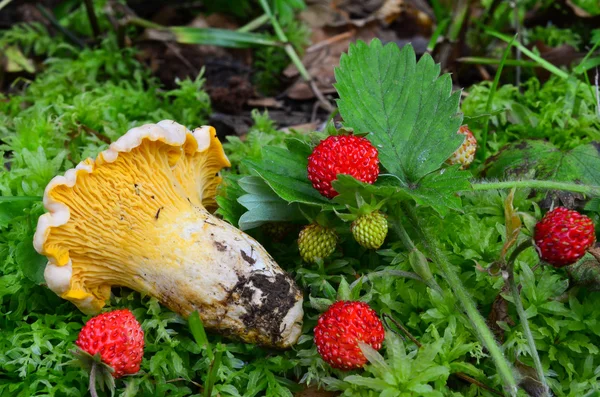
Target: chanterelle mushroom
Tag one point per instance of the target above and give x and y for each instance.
(136, 217)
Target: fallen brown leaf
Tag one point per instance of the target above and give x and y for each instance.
(499, 313)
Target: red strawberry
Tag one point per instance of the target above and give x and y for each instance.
(563, 236)
(465, 154)
(342, 154)
(341, 327)
(113, 343)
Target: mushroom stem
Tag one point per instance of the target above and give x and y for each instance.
(226, 276)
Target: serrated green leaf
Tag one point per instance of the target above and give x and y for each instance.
(227, 198)
(581, 164)
(409, 111)
(263, 205)
(438, 189)
(387, 186)
(285, 172)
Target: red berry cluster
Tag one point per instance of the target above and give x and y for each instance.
(341, 327)
(342, 154)
(563, 236)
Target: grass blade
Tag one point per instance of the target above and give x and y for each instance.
(212, 373)
(541, 61)
(212, 36)
(494, 61)
(199, 334)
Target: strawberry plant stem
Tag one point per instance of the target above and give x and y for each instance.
(534, 184)
(478, 322)
(509, 276)
(291, 52)
(420, 267)
(93, 372)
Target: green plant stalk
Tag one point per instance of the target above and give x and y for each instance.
(254, 24)
(283, 38)
(438, 9)
(581, 68)
(478, 322)
(419, 267)
(541, 61)
(92, 386)
(212, 373)
(494, 61)
(462, 8)
(68, 34)
(199, 334)
(488, 105)
(91, 13)
(144, 23)
(437, 33)
(510, 279)
(293, 55)
(535, 184)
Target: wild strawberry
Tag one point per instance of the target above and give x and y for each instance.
(370, 230)
(342, 154)
(563, 236)
(341, 327)
(316, 241)
(111, 342)
(465, 154)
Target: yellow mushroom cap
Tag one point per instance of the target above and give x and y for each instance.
(136, 217)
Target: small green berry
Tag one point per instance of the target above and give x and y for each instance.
(370, 230)
(316, 241)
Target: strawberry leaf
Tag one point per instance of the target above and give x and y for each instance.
(263, 205)
(409, 111)
(437, 190)
(227, 197)
(581, 164)
(285, 171)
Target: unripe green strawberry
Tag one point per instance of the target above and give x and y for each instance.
(316, 241)
(370, 230)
